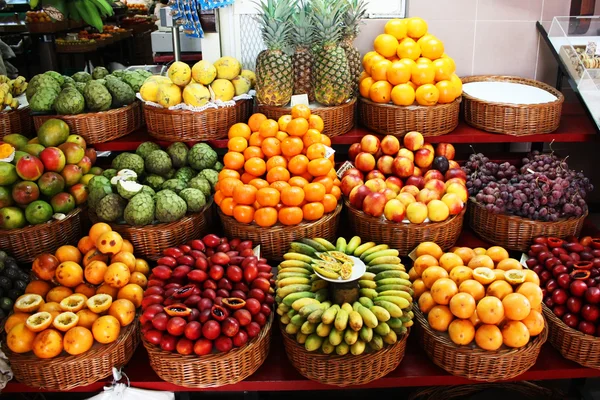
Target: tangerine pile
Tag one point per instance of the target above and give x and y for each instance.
(409, 64)
(477, 294)
(82, 295)
(278, 171)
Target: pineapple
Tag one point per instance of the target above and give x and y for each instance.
(303, 56)
(354, 14)
(332, 80)
(274, 68)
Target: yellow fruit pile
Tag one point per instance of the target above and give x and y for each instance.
(409, 64)
(88, 304)
(477, 294)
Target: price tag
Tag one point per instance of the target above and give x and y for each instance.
(256, 251)
(524, 258)
(345, 167)
(329, 151)
(103, 153)
(413, 254)
(591, 49)
(299, 99)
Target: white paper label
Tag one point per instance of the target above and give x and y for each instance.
(256, 251)
(345, 167)
(413, 254)
(329, 151)
(103, 153)
(524, 258)
(299, 99)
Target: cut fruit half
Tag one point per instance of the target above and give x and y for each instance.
(39, 321)
(514, 276)
(73, 303)
(29, 303)
(484, 275)
(99, 303)
(65, 321)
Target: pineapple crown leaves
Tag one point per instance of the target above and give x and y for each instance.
(275, 20)
(355, 12)
(328, 21)
(303, 29)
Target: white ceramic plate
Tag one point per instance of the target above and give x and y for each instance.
(358, 269)
(508, 92)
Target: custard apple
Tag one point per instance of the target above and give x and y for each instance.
(140, 210)
(169, 206)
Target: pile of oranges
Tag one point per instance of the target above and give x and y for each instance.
(478, 295)
(409, 64)
(82, 295)
(278, 171)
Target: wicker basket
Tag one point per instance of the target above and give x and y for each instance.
(16, 121)
(149, 241)
(522, 389)
(215, 369)
(512, 119)
(275, 241)
(405, 237)
(571, 343)
(66, 372)
(183, 125)
(516, 233)
(389, 119)
(337, 119)
(66, 47)
(348, 370)
(100, 127)
(47, 27)
(27, 243)
(475, 363)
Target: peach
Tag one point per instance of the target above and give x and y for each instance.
(390, 145)
(423, 158)
(349, 182)
(453, 164)
(394, 183)
(419, 171)
(437, 211)
(384, 164)
(365, 162)
(370, 144)
(403, 167)
(410, 189)
(406, 198)
(429, 147)
(357, 195)
(436, 185)
(446, 150)
(455, 180)
(460, 190)
(375, 185)
(404, 152)
(394, 211)
(417, 181)
(375, 174)
(354, 150)
(433, 174)
(455, 173)
(454, 203)
(374, 204)
(427, 195)
(413, 140)
(416, 212)
(354, 171)
(389, 194)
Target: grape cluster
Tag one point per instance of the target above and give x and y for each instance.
(543, 189)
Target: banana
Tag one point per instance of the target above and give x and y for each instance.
(385, 260)
(33, 4)
(284, 291)
(298, 320)
(395, 323)
(369, 319)
(297, 257)
(336, 337)
(326, 272)
(368, 276)
(391, 274)
(104, 7)
(409, 324)
(341, 320)
(374, 249)
(399, 301)
(292, 329)
(367, 284)
(301, 337)
(15, 104)
(407, 317)
(327, 347)
(284, 275)
(73, 13)
(294, 264)
(302, 248)
(352, 245)
(308, 327)
(366, 333)
(325, 243)
(394, 287)
(350, 337)
(393, 281)
(283, 307)
(355, 320)
(376, 343)
(365, 301)
(323, 330)
(321, 295)
(381, 313)
(370, 293)
(313, 342)
(315, 316)
(382, 329)
(393, 309)
(358, 347)
(8, 98)
(313, 243)
(289, 299)
(292, 281)
(309, 308)
(340, 244)
(329, 315)
(318, 285)
(400, 331)
(390, 338)
(363, 247)
(295, 270)
(342, 349)
(381, 253)
(347, 307)
(291, 313)
(398, 293)
(284, 319)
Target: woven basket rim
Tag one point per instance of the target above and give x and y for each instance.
(98, 114)
(567, 329)
(313, 106)
(17, 111)
(513, 79)
(412, 107)
(160, 110)
(47, 225)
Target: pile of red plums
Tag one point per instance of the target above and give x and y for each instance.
(569, 272)
(211, 294)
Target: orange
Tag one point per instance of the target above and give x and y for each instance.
(379, 70)
(432, 48)
(427, 95)
(364, 87)
(439, 318)
(243, 214)
(516, 306)
(385, 45)
(499, 289)
(509, 263)
(475, 319)
(372, 61)
(56, 294)
(117, 275)
(298, 164)
(255, 120)
(319, 166)
(403, 95)
(460, 274)
(292, 196)
(465, 253)
(449, 261)
(515, 334)
(78, 340)
(255, 139)
(300, 111)
(85, 244)
(422, 74)
(123, 310)
(416, 27)
(426, 302)
(69, 274)
(268, 128)
(425, 37)
(423, 60)
(233, 160)
(313, 211)
(423, 262)
(267, 197)
(266, 216)
(259, 183)
(380, 92)
(142, 266)
(534, 323)
(396, 27)
(443, 69)
(398, 73)
(106, 329)
(314, 192)
(457, 84)
(98, 229)
(481, 260)
(446, 91)
(283, 121)
(126, 258)
(297, 127)
(490, 310)
(20, 318)
(276, 161)
(431, 274)
(247, 177)
(292, 146)
(472, 287)
(86, 318)
(497, 254)
(280, 185)
(325, 181)
(68, 253)
(290, 215)
(229, 173)
(244, 194)
(442, 290)
(329, 203)
(316, 150)
(218, 197)
(239, 130)
(238, 144)
(277, 174)
(461, 331)
(132, 292)
(38, 287)
(532, 292)
(138, 278)
(253, 151)
(409, 63)
(127, 246)
(227, 185)
(281, 135)
(298, 181)
(271, 147)
(48, 344)
(462, 305)
(488, 337)
(367, 58)
(419, 288)
(255, 166)
(316, 122)
(109, 243)
(336, 191)
(408, 48)
(311, 136)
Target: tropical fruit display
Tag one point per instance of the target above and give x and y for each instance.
(83, 92)
(155, 185)
(45, 177)
(207, 296)
(410, 183)
(202, 83)
(81, 295)
(9, 90)
(569, 271)
(13, 282)
(278, 171)
(479, 296)
(379, 316)
(407, 66)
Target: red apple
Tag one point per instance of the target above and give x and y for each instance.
(85, 164)
(433, 174)
(375, 185)
(375, 174)
(80, 192)
(353, 151)
(454, 203)
(394, 211)
(384, 164)
(455, 173)
(417, 181)
(53, 159)
(426, 195)
(413, 141)
(357, 196)
(365, 162)
(436, 185)
(403, 167)
(29, 168)
(404, 152)
(390, 145)
(374, 204)
(349, 182)
(446, 150)
(453, 164)
(460, 190)
(389, 194)
(354, 171)
(423, 158)
(410, 189)
(394, 183)
(370, 144)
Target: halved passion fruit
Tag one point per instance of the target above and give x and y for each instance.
(99, 303)
(65, 321)
(595, 243)
(515, 276)
(177, 310)
(555, 242)
(29, 303)
(219, 313)
(484, 275)
(583, 265)
(184, 292)
(39, 321)
(579, 274)
(73, 303)
(234, 303)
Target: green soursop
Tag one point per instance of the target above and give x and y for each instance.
(99, 73)
(175, 185)
(140, 210)
(82, 76)
(122, 94)
(146, 148)
(67, 79)
(169, 206)
(170, 174)
(69, 102)
(185, 174)
(69, 85)
(97, 193)
(134, 80)
(118, 73)
(194, 199)
(202, 184)
(80, 86)
(158, 162)
(211, 175)
(201, 156)
(39, 83)
(178, 152)
(58, 77)
(148, 190)
(218, 166)
(99, 181)
(111, 207)
(109, 173)
(155, 181)
(128, 189)
(43, 100)
(144, 73)
(97, 97)
(129, 161)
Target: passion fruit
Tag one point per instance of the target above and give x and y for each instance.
(123, 310)
(484, 275)
(583, 265)
(39, 321)
(219, 313)
(86, 318)
(234, 303)
(177, 310)
(65, 321)
(106, 329)
(580, 274)
(78, 340)
(184, 292)
(29, 303)
(99, 303)
(515, 276)
(48, 344)
(73, 303)
(20, 338)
